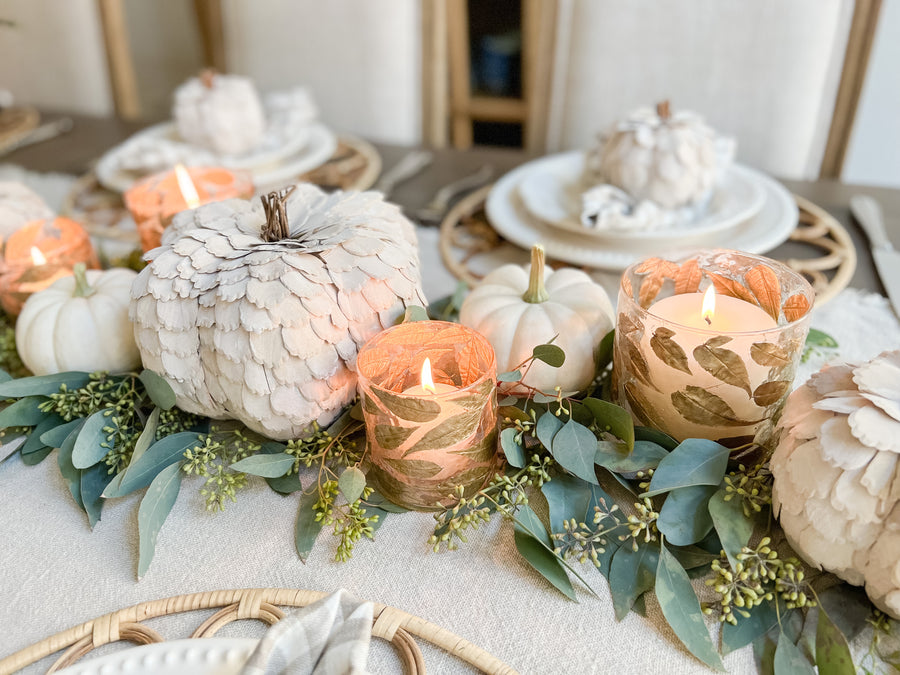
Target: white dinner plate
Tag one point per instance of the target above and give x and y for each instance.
(773, 224)
(206, 656)
(552, 186)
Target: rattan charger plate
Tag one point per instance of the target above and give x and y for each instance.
(262, 604)
(355, 165)
(466, 236)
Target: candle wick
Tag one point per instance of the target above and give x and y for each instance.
(708, 320)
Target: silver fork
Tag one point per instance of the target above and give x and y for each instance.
(436, 209)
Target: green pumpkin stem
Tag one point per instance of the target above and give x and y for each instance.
(82, 288)
(536, 292)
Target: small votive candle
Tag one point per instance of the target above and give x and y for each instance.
(38, 254)
(154, 200)
(425, 439)
(707, 347)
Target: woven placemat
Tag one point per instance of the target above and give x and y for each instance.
(15, 124)
(261, 604)
(467, 236)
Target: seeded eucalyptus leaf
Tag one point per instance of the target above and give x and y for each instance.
(693, 558)
(681, 609)
(378, 501)
(696, 461)
(548, 425)
(764, 654)
(54, 437)
(605, 351)
(684, 517)
(351, 483)
(762, 619)
(531, 540)
(552, 355)
(848, 608)
(512, 449)
(93, 482)
(43, 385)
(599, 498)
(733, 527)
(91, 446)
(159, 391)
(654, 436)
(153, 511)
(568, 498)
(265, 465)
(70, 474)
(819, 338)
(283, 485)
(4, 376)
(158, 456)
(574, 448)
(789, 660)
(23, 413)
(645, 455)
(612, 418)
(12, 445)
(307, 529)
(631, 574)
(34, 442)
(415, 313)
(34, 458)
(510, 376)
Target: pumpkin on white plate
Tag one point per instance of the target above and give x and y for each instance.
(517, 310)
(222, 113)
(79, 323)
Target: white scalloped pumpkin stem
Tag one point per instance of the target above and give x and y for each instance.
(663, 110)
(274, 206)
(536, 292)
(82, 288)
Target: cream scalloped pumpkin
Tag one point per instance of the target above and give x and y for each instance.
(256, 313)
(517, 310)
(222, 113)
(79, 323)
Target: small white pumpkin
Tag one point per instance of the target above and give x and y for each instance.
(221, 113)
(19, 205)
(517, 310)
(79, 323)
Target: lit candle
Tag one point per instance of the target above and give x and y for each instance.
(711, 312)
(426, 386)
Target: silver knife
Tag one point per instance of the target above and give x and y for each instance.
(887, 260)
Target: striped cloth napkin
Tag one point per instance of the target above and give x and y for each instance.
(328, 637)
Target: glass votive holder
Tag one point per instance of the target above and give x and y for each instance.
(36, 255)
(424, 442)
(153, 201)
(722, 373)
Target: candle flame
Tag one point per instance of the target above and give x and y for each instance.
(37, 257)
(709, 304)
(426, 379)
(186, 186)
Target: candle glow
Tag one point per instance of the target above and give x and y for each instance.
(186, 187)
(709, 305)
(37, 257)
(426, 380)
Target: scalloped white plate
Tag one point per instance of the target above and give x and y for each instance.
(206, 656)
(767, 229)
(551, 191)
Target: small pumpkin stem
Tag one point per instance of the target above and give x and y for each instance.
(662, 109)
(274, 205)
(82, 288)
(536, 292)
(207, 76)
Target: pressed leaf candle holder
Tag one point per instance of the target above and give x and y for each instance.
(38, 254)
(155, 200)
(723, 376)
(422, 445)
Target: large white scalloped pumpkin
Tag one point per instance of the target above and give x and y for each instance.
(257, 313)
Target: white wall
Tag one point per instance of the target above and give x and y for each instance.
(54, 56)
(873, 156)
(361, 58)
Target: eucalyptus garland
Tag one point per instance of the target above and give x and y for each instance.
(646, 512)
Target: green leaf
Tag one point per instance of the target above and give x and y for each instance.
(510, 376)
(165, 452)
(283, 485)
(89, 446)
(789, 660)
(612, 418)
(93, 482)
(681, 609)
(4, 376)
(42, 385)
(70, 474)
(415, 313)
(144, 441)
(848, 607)
(153, 511)
(34, 458)
(645, 455)
(265, 465)
(733, 527)
(54, 437)
(159, 391)
(748, 629)
(693, 558)
(574, 448)
(552, 355)
(695, 461)
(567, 497)
(631, 574)
(654, 436)
(548, 425)
(23, 413)
(764, 654)
(605, 351)
(380, 502)
(307, 529)
(512, 449)
(819, 338)
(352, 483)
(531, 540)
(34, 442)
(684, 517)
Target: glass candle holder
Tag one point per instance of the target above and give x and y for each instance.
(154, 200)
(38, 254)
(423, 442)
(722, 375)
